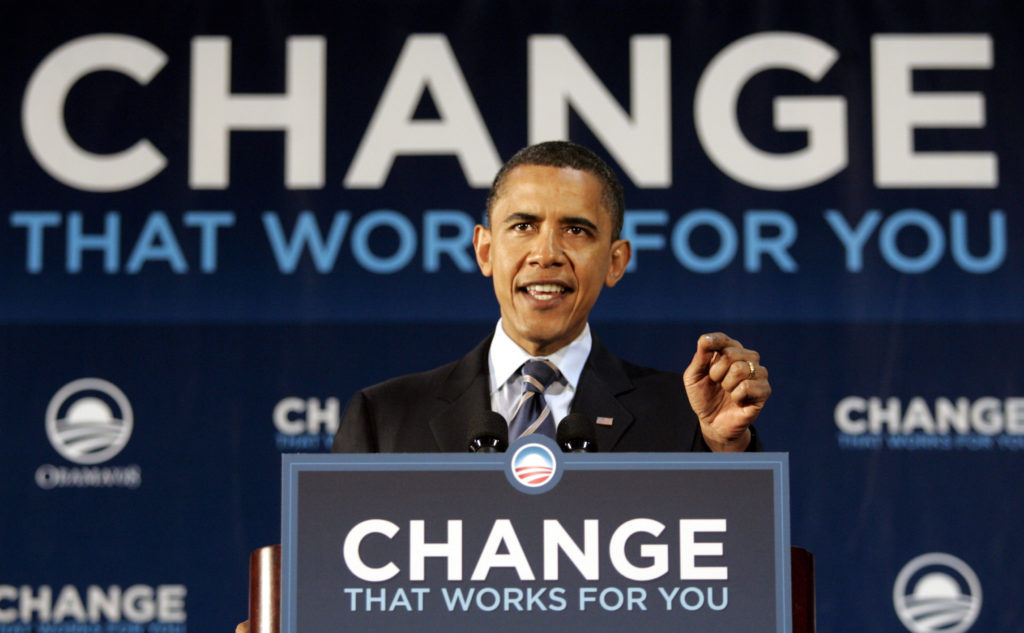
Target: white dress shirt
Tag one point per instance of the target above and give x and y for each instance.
(505, 358)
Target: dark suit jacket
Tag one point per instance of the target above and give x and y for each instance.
(431, 411)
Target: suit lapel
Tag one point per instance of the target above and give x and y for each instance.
(463, 394)
(601, 381)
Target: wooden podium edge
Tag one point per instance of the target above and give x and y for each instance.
(265, 590)
(801, 575)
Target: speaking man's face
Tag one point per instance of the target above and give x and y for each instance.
(549, 250)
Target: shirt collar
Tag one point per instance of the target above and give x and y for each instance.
(506, 357)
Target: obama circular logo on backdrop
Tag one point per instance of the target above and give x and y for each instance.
(89, 421)
(937, 592)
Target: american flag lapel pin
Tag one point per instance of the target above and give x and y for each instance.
(604, 421)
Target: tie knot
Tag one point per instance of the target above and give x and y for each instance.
(538, 375)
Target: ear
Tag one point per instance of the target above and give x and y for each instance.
(482, 246)
(621, 253)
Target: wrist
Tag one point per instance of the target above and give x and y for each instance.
(737, 444)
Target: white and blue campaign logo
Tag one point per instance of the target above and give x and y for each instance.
(533, 467)
(89, 421)
(937, 592)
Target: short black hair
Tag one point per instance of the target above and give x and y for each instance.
(573, 156)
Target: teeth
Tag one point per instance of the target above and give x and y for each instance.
(545, 292)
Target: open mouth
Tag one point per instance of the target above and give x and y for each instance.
(545, 291)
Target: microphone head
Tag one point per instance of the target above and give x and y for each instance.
(488, 433)
(577, 433)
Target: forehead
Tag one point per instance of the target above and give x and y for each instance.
(542, 189)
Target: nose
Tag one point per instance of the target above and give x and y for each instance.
(546, 249)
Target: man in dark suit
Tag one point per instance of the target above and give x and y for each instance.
(551, 244)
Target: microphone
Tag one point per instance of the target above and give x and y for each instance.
(488, 433)
(577, 433)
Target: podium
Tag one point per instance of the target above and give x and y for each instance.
(609, 542)
(265, 590)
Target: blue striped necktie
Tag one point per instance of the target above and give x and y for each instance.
(532, 414)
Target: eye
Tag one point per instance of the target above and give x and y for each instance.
(577, 230)
(521, 226)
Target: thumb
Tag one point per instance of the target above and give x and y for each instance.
(708, 346)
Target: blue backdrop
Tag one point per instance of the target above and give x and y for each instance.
(221, 219)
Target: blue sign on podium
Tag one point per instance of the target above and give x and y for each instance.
(535, 539)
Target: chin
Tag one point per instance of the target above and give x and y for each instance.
(547, 338)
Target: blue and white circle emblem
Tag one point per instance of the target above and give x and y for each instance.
(936, 593)
(533, 465)
(89, 421)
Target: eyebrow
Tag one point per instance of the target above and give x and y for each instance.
(581, 221)
(522, 216)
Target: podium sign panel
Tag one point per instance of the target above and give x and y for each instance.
(535, 539)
